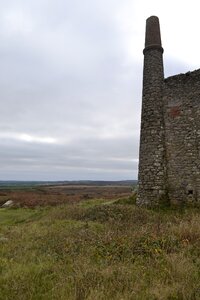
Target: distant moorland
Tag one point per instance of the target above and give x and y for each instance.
(15, 183)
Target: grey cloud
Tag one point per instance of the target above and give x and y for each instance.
(65, 74)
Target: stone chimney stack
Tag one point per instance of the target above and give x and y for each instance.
(152, 38)
(152, 167)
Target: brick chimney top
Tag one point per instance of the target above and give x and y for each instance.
(153, 38)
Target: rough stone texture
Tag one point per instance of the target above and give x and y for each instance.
(169, 164)
(181, 95)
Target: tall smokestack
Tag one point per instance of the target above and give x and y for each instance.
(152, 169)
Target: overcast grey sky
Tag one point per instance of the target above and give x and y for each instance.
(70, 83)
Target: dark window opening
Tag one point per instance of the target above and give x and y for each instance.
(190, 192)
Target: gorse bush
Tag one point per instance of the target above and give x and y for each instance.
(99, 250)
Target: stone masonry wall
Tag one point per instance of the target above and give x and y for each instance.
(152, 178)
(169, 160)
(181, 97)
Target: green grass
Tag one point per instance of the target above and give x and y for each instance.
(97, 251)
(14, 216)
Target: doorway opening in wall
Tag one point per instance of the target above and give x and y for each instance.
(190, 192)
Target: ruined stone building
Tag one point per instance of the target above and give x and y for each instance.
(169, 163)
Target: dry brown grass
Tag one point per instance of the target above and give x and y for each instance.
(51, 196)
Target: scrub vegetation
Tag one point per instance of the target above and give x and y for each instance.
(99, 249)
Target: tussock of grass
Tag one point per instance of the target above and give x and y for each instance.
(113, 251)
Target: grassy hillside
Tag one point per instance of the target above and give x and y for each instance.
(99, 249)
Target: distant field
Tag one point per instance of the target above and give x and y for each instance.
(33, 196)
(29, 184)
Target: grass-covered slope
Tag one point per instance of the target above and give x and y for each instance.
(99, 250)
